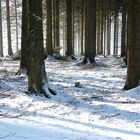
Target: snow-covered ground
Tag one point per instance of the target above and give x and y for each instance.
(96, 109)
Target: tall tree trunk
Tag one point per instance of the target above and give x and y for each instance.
(1, 35)
(34, 53)
(37, 80)
(79, 39)
(15, 1)
(102, 26)
(10, 52)
(69, 27)
(123, 31)
(98, 27)
(57, 24)
(54, 22)
(108, 27)
(116, 28)
(105, 30)
(24, 36)
(49, 46)
(73, 28)
(133, 71)
(82, 27)
(90, 37)
(64, 34)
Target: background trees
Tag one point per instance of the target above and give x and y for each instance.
(64, 25)
(74, 27)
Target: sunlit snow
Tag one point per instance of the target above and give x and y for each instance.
(97, 110)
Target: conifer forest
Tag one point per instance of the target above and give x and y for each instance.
(70, 69)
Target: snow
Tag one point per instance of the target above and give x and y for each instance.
(97, 110)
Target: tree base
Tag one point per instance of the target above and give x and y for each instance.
(90, 59)
(53, 92)
(65, 58)
(47, 92)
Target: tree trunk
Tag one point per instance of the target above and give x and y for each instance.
(64, 34)
(49, 46)
(36, 75)
(90, 33)
(69, 27)
(102, 26)
(116, 28)
(108, 27)
(15, 1)
(73, 28)
(82, 27)
(10, 52)
(1, 35)
(24, 37)
(105, 30)
(123, 34)
(133, 72)
(53, 23)
(32, 56)
(57, 25)
(99, 27)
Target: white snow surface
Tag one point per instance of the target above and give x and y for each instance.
(98, 109)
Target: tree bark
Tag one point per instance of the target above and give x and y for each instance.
(82, 27)
(36, 74)
(133, 71)
(116, 28)
(69, 27)
(102, 26)
(10, 52)
(123, 33)
(24, 37)
(49, 45)
(15, 1)
(56, 24)
(108, 27)
(90, 33)
(105, 28)
(1, 35)
(98, 27)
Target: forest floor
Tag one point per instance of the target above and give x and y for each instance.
(90, 103)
